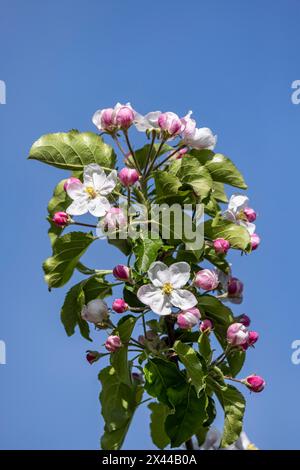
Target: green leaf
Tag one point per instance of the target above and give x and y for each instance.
(118, 404)
(159, 413)
(234, 405)
(189, 415)
(67, 251)
(159, 376)
(220, 168)
(218, 192)
(146, 251)
(123, 245)
(142, 153)
(79, 295)
(119, 359)
(191, 361)
(129, 295)
(195, 176)
(204, 346)
(237, 235)
(166, 184)
(73, 150)
(59, 202)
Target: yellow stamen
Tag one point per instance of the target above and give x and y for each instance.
(241, 216)
(91, 192)
(167, 288)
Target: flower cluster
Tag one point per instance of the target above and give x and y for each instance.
(174, 310)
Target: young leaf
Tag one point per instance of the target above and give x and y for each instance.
(189, 415)
(159, 376)
(146, 251)
(191, 361)
(159, 413)
(237, 235)
(67, 251)
(118, 404)
(73, 150)
(233, 404)
(195, 176)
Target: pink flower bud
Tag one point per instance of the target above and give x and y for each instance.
(61, 219)
(221, 245)
(113, 343)
(186, 319)
(255, 241)
(170, 123)
(71, 181)
(237, 334)
(181, 152)
(121, 272)
(114, 219)
(235, 287)
(119, 305)
(250, 214)
(245, 320)
(253, 337)
(206, 279)
(206, 325)
(124, 116)
(255, 383)
(92, 356)
(128, 176)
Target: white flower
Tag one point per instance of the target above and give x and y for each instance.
(148, 122)
(200, 138)
(235, 212)
(96, 311)
(165, 288)
(89, 196)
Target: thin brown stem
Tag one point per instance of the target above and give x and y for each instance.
(84, 225)
(168, 157)
(132, 152)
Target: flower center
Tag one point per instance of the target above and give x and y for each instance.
(91, 192)
(167, 288)
(241, 216)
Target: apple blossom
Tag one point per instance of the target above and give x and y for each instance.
(119, 305)
(221, 245)
(128, 176)
(165, 289)
(186, 319)
(114, 219)
(70, 181)
(61, 219)
(255, 241)
(112, 119)
(201, 138)
(255, 383)
(253, 337)
(206, 279)
(90, 196)
(122, 272)
(244, 319)
(113, 343)
(92, 356)
(181, 152)
(170, 123)
(235, 212)
(149, 122)
(96, 311)
(250, 214)
(237, 334)
(189, 126)
(206, 325)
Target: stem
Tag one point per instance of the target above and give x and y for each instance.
(128, 206)
(232, 379)
(150, 152)
(132, 152)
(116, 140)
(171, 336)
(84, 225)
(154, 158)
(168, 157)
(144, 325)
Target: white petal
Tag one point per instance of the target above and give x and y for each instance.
(202, 138)
(75, 190)
(179, 274)
(79, 206)
(159, 274)
(183, 299)
(142, 123)
(157, 301)
(248, 226)
(109, 183)
(98, 206)
(238, 202)
(229, 215)
(93, 173)
(97, 119)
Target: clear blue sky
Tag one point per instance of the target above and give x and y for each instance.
(231, 62)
